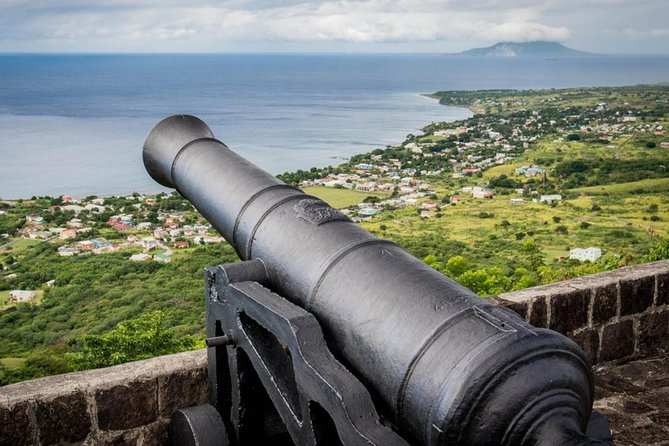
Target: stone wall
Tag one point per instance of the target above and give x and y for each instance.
(129, 404)
(613, 316)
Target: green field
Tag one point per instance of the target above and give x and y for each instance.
(340, 198)
(12, 363)
(18, 244)
(655, 185)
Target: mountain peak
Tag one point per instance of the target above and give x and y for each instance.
(542, 49)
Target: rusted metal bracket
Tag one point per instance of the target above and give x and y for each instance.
(271, 374)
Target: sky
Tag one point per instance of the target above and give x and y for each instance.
(267, 26)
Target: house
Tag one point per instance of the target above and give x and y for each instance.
(592, 254)
(366, 187)
(550, 198)
(516, 201)
(427, 214)
(34, 218)
(107, 248)
(455, 198)
(67, 234)
(41, 235)
(117, 225)
(482, 193)
(144, 226)
(74, 223)
(139, 257)
(181, 245)
(67, 251)
(368, 212)
(72, 208)
(162, 258)
(101, 242)
(149, 242)
(430, 205)
(85, 244)
(132, 238)
(22, 295)
(51, 283)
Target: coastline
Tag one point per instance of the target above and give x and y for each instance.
(471, 108)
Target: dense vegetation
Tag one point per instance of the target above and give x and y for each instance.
(92, 294)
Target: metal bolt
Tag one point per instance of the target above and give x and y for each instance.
(217, 341)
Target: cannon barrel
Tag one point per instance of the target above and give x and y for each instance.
(446, 366)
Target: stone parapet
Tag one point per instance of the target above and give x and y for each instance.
(613, 316)
(128, 404)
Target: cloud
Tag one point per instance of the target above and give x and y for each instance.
(215, 25)
(366, 21)
(524, 32)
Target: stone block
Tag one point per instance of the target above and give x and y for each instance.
(569, 311)
(155, 434)
(539, 313)
(15, 426)
(128, 438)
(636, 294)
(127, 406)
(653, 329)
(617, 341)
(64, 418)
(182, 389)
(662, 289)
(605, 303)
(588, 340)
(519, 308)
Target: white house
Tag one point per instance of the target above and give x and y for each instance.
(581, 254)
(22, 295)
(139, 257)
(550, 198)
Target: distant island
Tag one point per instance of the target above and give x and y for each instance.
(540, 49)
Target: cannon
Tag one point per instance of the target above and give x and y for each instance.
(325, 334)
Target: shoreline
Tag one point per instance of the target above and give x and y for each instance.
(471, 108)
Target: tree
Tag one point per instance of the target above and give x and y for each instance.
(659, 252)
(456, 265)
(140, 338)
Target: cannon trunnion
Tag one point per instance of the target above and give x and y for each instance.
(325, 334)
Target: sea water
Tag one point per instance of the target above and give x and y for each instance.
(75, 124)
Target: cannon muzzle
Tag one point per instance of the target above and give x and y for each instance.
(446, 366)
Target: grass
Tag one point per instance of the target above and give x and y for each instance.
(618, 228)
(340, 198)
(648, 186)
(19, 243)
(12, 363)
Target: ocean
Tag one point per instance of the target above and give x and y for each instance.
(75, 124)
